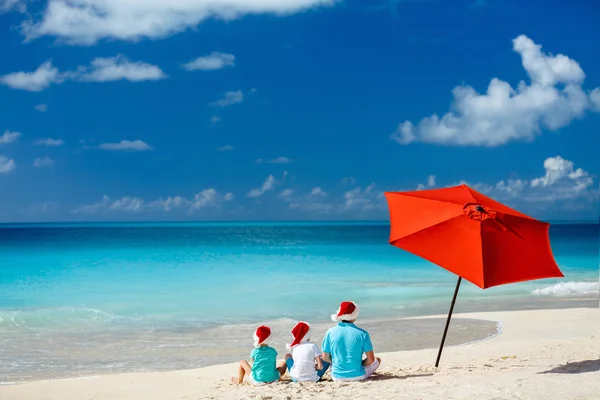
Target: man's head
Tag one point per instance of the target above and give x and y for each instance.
(347, 312)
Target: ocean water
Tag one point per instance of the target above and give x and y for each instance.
(81, 299)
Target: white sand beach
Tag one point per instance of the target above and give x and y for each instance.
(539, 354)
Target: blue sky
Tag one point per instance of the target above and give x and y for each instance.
(294, 109)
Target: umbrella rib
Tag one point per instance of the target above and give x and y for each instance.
(427, 227)
(426, 198)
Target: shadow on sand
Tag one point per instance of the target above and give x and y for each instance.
(578, 367)
(388, 376)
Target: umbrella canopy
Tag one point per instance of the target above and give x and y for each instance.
(471, 235)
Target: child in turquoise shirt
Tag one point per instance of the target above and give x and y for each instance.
(264, 368)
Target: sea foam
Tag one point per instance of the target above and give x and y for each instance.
(569, 288)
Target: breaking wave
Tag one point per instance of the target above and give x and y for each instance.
(570, 289)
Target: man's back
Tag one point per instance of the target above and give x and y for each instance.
(346, 343)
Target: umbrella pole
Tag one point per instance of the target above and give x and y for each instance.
(437, 362)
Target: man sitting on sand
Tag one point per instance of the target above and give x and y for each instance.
(344, 345)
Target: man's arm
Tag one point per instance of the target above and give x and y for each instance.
(326, 348)
(370, 358)
(368, 350)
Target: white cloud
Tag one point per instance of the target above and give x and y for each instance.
(49, 142)
(228, 197)
(100, 70)
(128, 204)
(35, 81)
(88, 21)
(552, 100)
(595, 98)
(363, 199)
(317, 192)
(203, 199)
(209, 197)
(430, 183)
(9, 137)
(124, 204)
(126, 145)
(41, 108)
(44, 162)
(170, 203)
(215, 119)
(229, 99)
(267, 185)
(10, 5)
(276, 160)
(286, 193)
(211, 62)
(7, 165)
(561, 181)
(356, 201)
(225, 148)
(119, 68)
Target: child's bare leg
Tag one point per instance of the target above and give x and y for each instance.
(281, 367)
(244, 369)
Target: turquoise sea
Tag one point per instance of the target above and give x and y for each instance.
(72, 292)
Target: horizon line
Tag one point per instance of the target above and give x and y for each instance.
(103, 222)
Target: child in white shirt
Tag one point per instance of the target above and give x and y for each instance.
(305, 362)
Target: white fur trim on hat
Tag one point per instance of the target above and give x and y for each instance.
(345, 317)
(257, 343)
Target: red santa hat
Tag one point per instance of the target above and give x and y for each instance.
(300, 332)
(348, 311)
(262, 335)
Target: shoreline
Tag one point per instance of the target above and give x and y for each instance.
(105, 353)
(529, 343)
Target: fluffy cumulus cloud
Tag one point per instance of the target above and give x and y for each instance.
(317, 192)
(430, 183)
(211, 62)
(7, 165)
(560, 184)
(201, 200)
(560, 181)
(286, 193)
(229, 99)
(126, 145)
(552, 99)
(100, 70)
(43, 162)
(12, 5)
(86, 22)
(9, 137)
(595, 98)
(355, 202)
(36, 81)
(267, 185)
(119, 68)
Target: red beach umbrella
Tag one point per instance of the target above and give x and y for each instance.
(472, 236)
